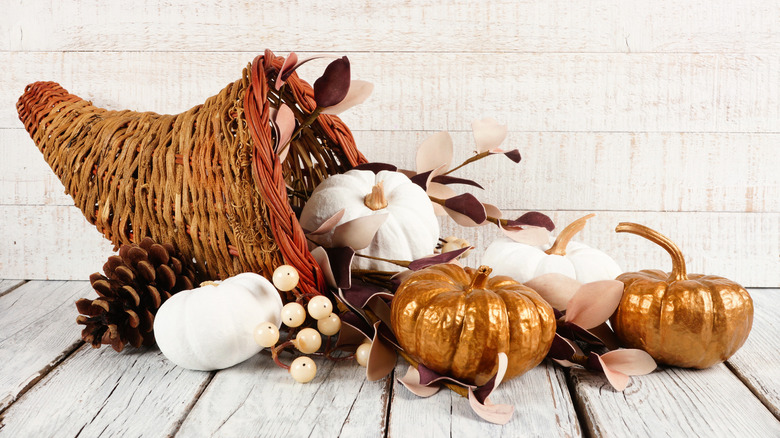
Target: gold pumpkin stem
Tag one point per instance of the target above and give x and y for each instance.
(480, 278)
(562, 241)
(376, 200)
(678, 261)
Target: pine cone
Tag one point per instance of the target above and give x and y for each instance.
(136, 283)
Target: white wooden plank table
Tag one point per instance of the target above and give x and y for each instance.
(52, 384)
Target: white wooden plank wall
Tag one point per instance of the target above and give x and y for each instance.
(663, 113)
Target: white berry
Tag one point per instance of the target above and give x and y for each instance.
(361, 355)
(285, 278)
(319, 307)
(266, 334)
(303, 369)
(308, 340)
(293, 314)
(330, 325)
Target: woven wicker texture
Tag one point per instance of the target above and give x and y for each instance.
(207, 180)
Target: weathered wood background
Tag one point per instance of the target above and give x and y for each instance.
(663, 113)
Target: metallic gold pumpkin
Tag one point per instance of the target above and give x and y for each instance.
(455, 321)
(680, 319)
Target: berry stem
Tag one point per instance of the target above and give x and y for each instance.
(276, 350)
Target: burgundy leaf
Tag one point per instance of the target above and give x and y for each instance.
(467, 205)
(357, 94)
(496, 414)
(606, 335)
(381, 358)
(422, 179)
(412, 382)
(376, 167)
(527, 235)
(379, 306)
(561, 348)
(513, 155)
(481, 405)
(533, 218)
(340, 264)
(387, 334)
(573, 331)
(354, 330)
(429, 377)
(360, 293)
(440, 191)
(289, 71)
(332, 87)
(483, 392)
(446, 179)
(437, 259)
(593, 363)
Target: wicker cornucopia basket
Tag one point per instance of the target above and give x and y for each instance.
(207, 180)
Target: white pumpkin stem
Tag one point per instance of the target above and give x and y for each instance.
(376, 200)
(562, 241)
(480, 279)
(678, 260)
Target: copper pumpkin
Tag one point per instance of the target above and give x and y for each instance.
(680, 319)
(455, 321)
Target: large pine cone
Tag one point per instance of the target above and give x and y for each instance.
(136, 283)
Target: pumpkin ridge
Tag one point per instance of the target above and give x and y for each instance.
(438, 301)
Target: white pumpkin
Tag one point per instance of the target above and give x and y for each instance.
(573, 259)
(211, 327)
(411, 230)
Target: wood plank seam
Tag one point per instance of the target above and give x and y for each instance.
(13, 288)
(388, 399)
(192, 402)
(586, 424)
(761, 397)
(57, 361)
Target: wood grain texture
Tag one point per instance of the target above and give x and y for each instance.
(757, 363)
(540, 397)
(609, 171)
(742, 247)
(386, 25)
(7, 286)
(25, 178)
(104, 393)
(436, 91)
(37, 331)
(559, 171)
(47, 243)
(745, 247)
(673, 402)
(257, 398)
